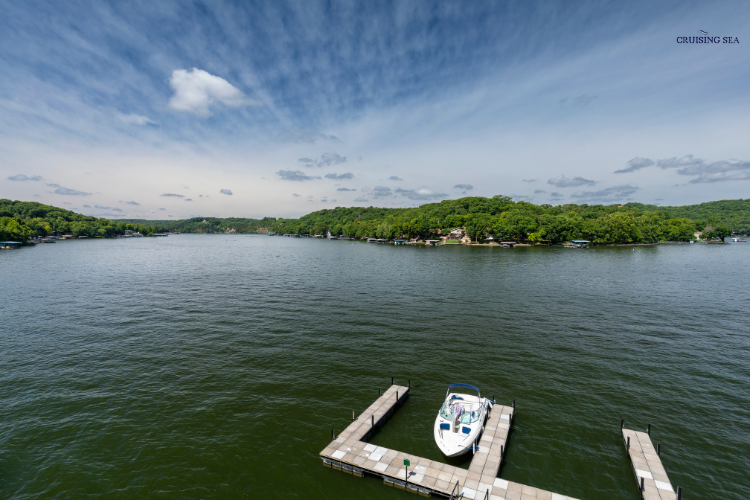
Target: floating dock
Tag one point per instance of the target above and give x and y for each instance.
(649, 472)
(349, 452)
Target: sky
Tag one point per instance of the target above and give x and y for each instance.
(166, 109)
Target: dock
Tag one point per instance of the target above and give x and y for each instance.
(350, 452)
(650, 475)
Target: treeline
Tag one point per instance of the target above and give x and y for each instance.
(209, 224)
(20, 220)
(504, 219)
(498, 216)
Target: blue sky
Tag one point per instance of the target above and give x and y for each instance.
(160, 109)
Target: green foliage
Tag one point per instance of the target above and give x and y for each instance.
(15, 229)
(499, 216)
(43, 220)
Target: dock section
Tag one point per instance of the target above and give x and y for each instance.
(350, 453)
(650, 476)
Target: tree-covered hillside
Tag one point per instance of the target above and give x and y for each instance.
(20, 220)
(733, 213)
(499, 216)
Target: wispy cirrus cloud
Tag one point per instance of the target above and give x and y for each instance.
(295, 175)
(464, 187)
(563, 181)
(172, 195)
(345, 189)
(305, 137)
(134, 119)
(361, 200)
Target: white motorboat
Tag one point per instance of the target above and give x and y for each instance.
(460, 421)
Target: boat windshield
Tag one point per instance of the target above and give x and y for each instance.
(467, 416)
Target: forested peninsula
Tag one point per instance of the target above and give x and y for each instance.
(499, 216)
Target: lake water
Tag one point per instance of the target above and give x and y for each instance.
(215, 366)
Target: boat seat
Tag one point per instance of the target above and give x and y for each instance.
(445, 427)
(466, 430)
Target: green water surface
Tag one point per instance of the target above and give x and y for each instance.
(215, 366)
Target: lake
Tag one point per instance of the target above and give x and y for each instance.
(215, 366)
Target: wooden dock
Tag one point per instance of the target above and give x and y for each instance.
(350, 453)
(650, 476)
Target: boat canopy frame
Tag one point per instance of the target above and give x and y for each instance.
(479, 394)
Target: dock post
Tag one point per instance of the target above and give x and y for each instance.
(622, 423)
(409, 383)
(378, 391)
(514, 404)
(353, 419)
(649, 430)
(373, 421)
(679, 493)
(397, 396)
(333, 436)
(502, 452)
(642, 484)
(628, 445)
(391, 380)
(658, 449)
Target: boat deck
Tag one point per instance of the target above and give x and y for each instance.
(351, 453)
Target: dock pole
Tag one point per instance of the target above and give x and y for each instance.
(658, 449)
(373, 421)
(622, 423)
(642, 484)
(333, 436)
(679, 493)
(627, 447)
(649, 430)
(391, 380)
(514, 404)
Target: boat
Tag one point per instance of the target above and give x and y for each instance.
(739, 240)
(460, 421)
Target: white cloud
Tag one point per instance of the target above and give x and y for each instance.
(70, 192)
(173, 195)
(610, 194)
(635, 164)
(674, 162)
(420, 194)
(196, 90)
(295, 175)
(381, 191)
(562, 181)
(22, 177)
(225, 191)
(339, 177)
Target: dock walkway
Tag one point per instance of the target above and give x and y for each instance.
(350, 453)
(650, 475)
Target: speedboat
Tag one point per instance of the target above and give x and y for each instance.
(460, 421)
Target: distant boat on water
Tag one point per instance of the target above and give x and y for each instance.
(739, 240)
